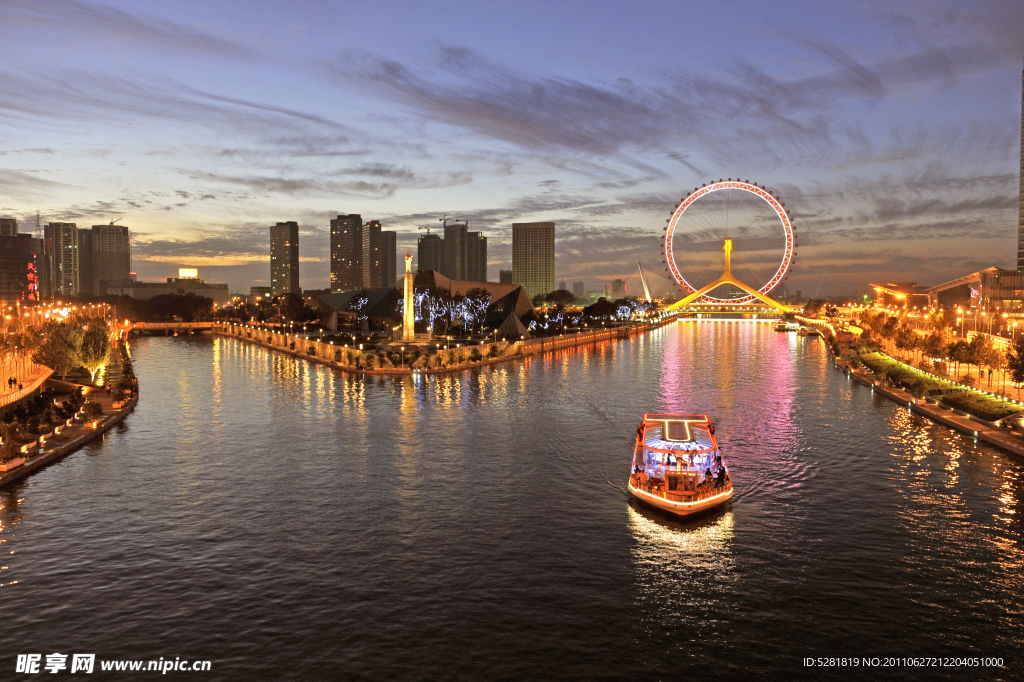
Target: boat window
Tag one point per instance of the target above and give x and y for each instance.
(678, 431)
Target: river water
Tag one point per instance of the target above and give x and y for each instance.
(287, 522)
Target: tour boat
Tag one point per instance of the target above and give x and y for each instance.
(808, 331)
(781, 326)
(677, 465)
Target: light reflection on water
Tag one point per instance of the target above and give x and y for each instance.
(292, 522)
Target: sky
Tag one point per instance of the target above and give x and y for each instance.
(890, 130)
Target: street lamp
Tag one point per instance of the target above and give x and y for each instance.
(403, 356)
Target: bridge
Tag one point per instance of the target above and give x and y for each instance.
(168, 327)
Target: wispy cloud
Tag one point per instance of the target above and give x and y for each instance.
(101, 23)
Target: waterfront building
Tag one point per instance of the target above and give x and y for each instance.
(1020, 213)
(187, 282)
(455, 250)
(284, 258)
(578, 289)
(476, 257)
(428, 252)
(109, 257)
(21, 258)
(8, 227)
(389, 259)
(64, 257)
(505, 276)
(506, 299)
(901, 294)
(533, 257)
(347, 253)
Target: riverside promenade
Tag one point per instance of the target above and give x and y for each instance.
(990, 432)
(79, 433)
(355, 361)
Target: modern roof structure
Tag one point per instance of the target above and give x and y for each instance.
(505, 298)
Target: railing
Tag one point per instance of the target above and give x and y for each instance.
(27, 390)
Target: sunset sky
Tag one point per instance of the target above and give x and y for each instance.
(891, 130)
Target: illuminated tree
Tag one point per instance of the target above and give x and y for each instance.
(95, 349)
(60, 347)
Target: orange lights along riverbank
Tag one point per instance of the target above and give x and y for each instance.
(433, 359)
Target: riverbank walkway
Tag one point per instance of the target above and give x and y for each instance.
(1000, 437)
(58, 445)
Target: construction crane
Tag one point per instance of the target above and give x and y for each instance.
(115, 221)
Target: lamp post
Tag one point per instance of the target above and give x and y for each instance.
(403, 354)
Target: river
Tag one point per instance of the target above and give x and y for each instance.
(289, 522)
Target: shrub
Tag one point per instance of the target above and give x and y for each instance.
(337, 356)
(291, 346)
(311, 350)
(93, 410)
(493, 352)
(967, 380)
(475, 355)
(980, 405)
(117, 394)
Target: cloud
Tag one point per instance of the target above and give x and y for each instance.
(15, 182)
(101, 24)
(740, 113)
(384, 182)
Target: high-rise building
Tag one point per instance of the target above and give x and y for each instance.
(476, 257)
(1020, 218)
(64, 268)
(617, 289)
(21, 258)
(346, 253)
(561, 286)
(578, 289)
(533, 257)
(428, 252)
(371, 255)
(110, 258)
(284, 259)
(85, 262)
(8, 227)
(455, 251)
(388, 259)
(505, 277)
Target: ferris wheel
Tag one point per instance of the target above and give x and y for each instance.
(757, 232)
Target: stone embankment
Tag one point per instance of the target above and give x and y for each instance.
(71, 438)
(361, 362)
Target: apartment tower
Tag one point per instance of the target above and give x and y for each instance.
(65, 257)
(347, 253)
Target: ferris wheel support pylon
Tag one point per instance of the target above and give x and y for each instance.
(727, 278)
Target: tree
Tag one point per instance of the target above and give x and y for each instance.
(60, 347)
(1015, 362)
(813, 307)
(95, 349)
(560, 296)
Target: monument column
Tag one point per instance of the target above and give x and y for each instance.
(409, 314)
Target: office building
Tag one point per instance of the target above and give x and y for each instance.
(561, 286)
(109, 259)
(284, 259)
(617, 289)
(533, 257)
(455, 251)
(346, 253)
(64, 258)
(578, 290)
(372, 255)
(388, 259)
(21, 260)
(428, 252)
(476, 257)
(8, 227)
(505, 276)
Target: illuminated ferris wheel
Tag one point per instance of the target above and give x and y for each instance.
(758, 236)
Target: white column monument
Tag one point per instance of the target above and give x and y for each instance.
(409, 316)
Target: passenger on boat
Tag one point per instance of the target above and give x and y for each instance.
(720, 479)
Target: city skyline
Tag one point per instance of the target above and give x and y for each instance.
(869, 128)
